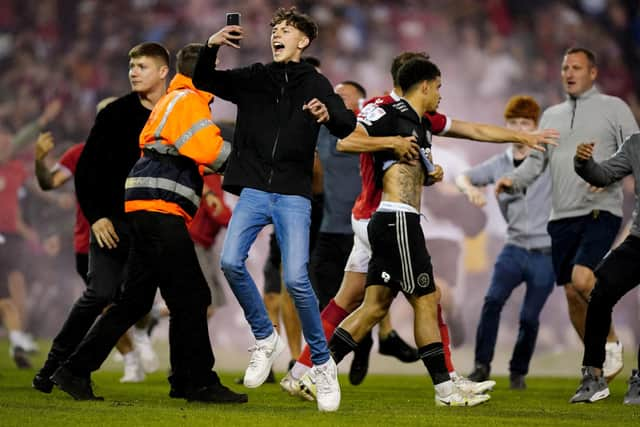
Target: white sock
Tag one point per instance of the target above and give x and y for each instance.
(130, 357)
(453, 375)
(268, 340)
(445, 388)
(298, 370)
(15, 338)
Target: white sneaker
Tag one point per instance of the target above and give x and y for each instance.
(148, 356)
(327, 386)
(24, 341)
(291, 385)
(133, 371)
(262, 357)
(307, 386)
(613, 362)
(451, 395)
(472, 387)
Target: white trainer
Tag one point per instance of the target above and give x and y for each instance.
(613, 362)
(327, 386)
(262, 357)
(451, 395)
(133, 371)
(291, 385)
(307, 385)
(148, 356)
(467, 386)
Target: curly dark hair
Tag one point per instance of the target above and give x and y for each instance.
(298, 20)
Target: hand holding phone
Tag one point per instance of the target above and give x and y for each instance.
(233, 18)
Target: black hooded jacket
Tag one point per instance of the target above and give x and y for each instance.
(274, 141)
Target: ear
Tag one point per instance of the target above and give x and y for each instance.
(303, 43)
(164, 70)
(593, 73)
(424, 86)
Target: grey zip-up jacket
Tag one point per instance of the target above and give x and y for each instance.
(526, 213)
(592, 116)
(623, 163)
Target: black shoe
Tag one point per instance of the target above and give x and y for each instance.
(41, 381)
(360, 362)
(271, 379)
(516, 382)
(395, 346)
(480, 373)
(20, 358)
(77, 387)
(177, 393)
(216, 393)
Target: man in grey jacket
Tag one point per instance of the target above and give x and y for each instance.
(526, 257)
(618, 273)
(584, 221)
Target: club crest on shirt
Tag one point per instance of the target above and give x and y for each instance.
(370, 114)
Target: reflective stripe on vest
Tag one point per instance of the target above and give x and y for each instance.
(163, 184)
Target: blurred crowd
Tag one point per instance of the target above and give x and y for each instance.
(58, 58)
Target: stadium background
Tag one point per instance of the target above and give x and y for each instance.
(488, 50)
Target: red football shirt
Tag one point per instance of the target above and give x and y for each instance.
(206, 224)
(81, 231)
(12, 175)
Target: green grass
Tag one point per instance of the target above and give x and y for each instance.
(382, 400)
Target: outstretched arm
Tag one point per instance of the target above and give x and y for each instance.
(490, 133)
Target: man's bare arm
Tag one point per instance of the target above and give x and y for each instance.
(360, 142)
(490, 133)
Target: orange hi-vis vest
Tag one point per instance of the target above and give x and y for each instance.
(177, 142)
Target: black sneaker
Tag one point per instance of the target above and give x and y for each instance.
(20, 358)
(77, 387)
(360, 362)
(271, 379)
(216, 393)
(480, 373)
(517, 382)
(41, 381)
(395, 346)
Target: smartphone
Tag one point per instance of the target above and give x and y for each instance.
(233, 18)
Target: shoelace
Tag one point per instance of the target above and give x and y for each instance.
(324, 377)
(258, 353)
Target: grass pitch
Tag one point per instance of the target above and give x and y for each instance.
(382, 400)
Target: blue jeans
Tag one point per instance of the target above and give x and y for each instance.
(514, 266)
(291, 218)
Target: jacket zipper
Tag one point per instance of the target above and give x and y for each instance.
(573, 112)
(275, 143)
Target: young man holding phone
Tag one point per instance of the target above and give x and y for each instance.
(280, 108)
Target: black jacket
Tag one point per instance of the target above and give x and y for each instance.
(111, 150)
(274, 142)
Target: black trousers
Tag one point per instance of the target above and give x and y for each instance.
(162, 255)
(617, 274)
(104, 280)
(326, 266)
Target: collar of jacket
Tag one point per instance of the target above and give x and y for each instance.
(587, 94)
(293, 70)
(180, 81)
